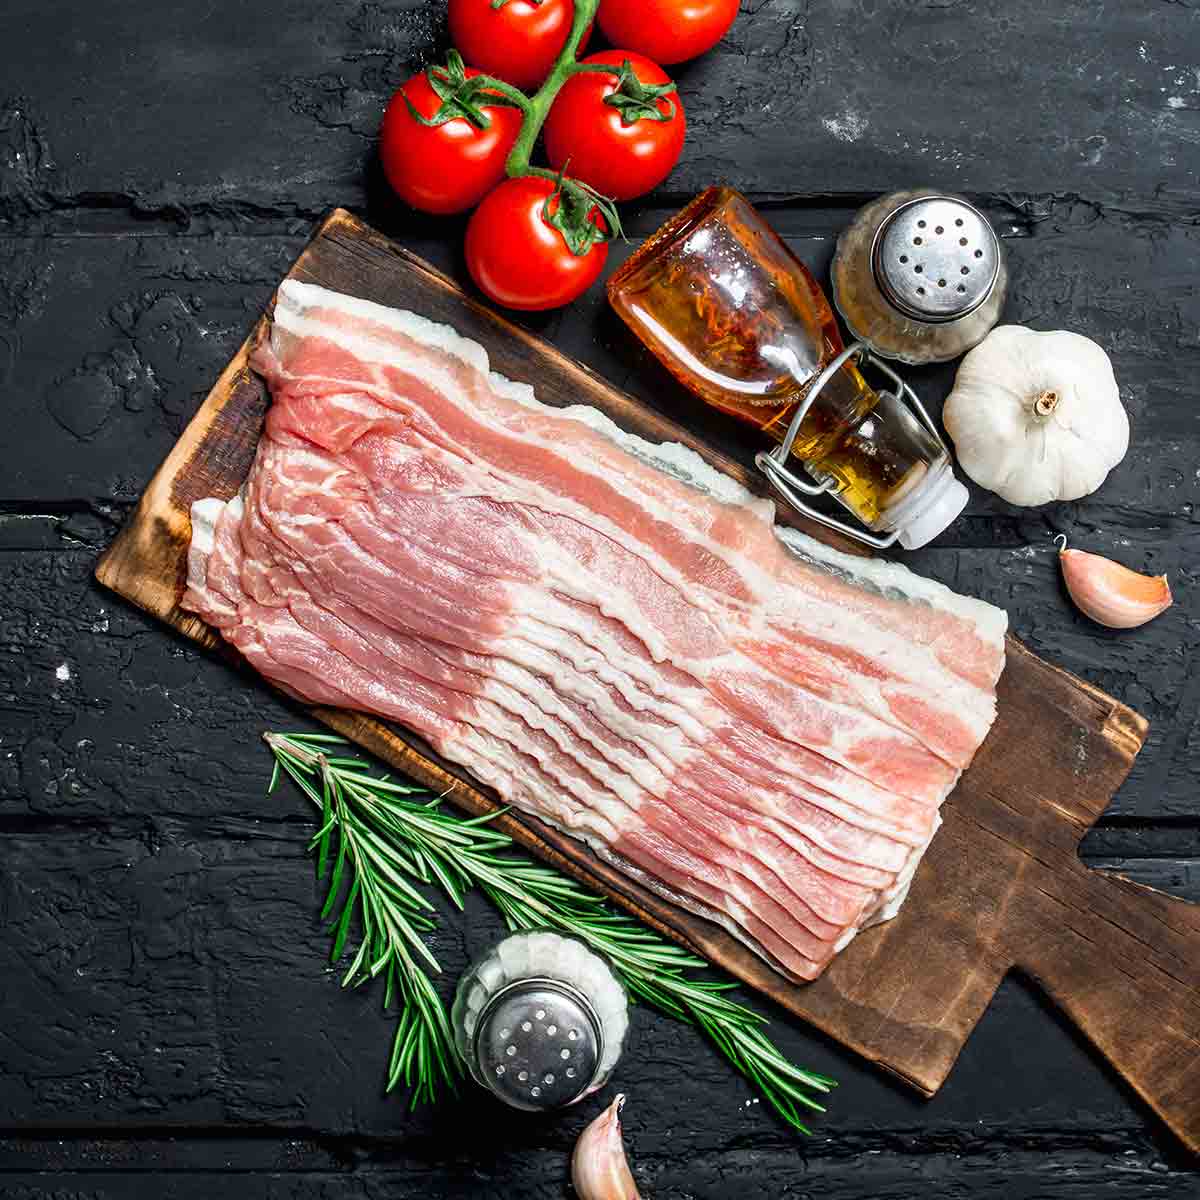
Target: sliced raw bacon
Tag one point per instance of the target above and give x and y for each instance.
(613, 636)
(436, 607)
(555, 484)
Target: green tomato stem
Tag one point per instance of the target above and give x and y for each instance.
(597, 68)
(541, 173)
(518, 97)
(577, 201)
(565, 66)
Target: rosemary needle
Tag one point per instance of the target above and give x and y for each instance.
(378, 839)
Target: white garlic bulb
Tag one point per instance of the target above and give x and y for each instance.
(1036, 416)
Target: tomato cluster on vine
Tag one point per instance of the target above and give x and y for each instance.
(461, 136)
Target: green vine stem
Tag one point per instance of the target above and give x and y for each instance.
(575, 201)
(572, 206)
(539, 106)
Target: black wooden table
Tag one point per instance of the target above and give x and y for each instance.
(168, 1023)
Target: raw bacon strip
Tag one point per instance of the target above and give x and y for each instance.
(658, 613)
(835, 671)
(819, 727)
(364, 638)
(302, 664)
(967, 633)
(819, 837)
(354, 538)
(902, 714)
(402, 668)
(613, 636)
(823, 888)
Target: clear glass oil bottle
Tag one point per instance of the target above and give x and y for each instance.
(739, 320)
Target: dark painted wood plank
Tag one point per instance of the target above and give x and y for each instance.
(170, 972)
(119, 132)
(804, 96)
(101, 715)
(125, 333)
(1030, 1172)
(105, 714)
(110, 349)
(111, 342)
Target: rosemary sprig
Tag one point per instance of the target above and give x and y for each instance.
(392, 914)
(390, 833)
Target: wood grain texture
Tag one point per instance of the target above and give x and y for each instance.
(303, 1170)
(802, 97)
(1001, 886)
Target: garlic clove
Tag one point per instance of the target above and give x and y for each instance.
(1110, 593)
(599, 1169)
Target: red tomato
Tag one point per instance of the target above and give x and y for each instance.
(520, 260)
(443, 168)
(618, 159)
(517, 42)
(668, 31)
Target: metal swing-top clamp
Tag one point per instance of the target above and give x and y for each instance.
(773, 464)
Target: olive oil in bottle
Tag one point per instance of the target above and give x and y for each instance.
(740, 321)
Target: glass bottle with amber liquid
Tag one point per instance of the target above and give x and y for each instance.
(740, 321)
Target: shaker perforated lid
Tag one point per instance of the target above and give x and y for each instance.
(538, 1043)
(936, 258)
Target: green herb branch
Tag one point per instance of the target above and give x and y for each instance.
(382, 836)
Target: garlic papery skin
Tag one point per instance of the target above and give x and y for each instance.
(1112, 595)
(1037, 417)
(599, 1168)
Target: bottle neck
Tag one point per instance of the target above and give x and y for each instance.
(843, 403)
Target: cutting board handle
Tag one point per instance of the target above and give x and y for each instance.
(1123, 961)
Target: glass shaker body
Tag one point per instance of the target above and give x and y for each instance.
(739, 320)
(919, 276)
(540, 1020)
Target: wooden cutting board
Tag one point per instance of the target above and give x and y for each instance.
(1001, 887)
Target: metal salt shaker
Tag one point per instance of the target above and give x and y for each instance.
(919, 276)
(540, 1021)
